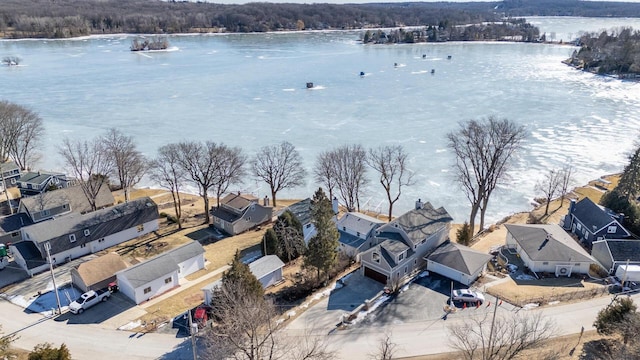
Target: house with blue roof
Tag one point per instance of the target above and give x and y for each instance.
(356, 231)
(591, 222)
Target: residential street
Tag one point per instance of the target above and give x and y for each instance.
(89, 341)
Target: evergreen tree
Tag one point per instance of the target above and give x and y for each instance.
(622, 198)
(291, 220)
(270, 242)
(322, 253)
(290, 242)
(619, 317)
(629, 183)
(463, 234)
(239, 279)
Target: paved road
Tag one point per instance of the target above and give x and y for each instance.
(89, 341)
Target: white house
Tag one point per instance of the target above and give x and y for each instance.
(548, 248)
(161, 273)
(356, 230)
(75, 235)
(457, 262)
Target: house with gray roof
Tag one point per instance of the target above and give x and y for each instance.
(356, 233)
(458, 262)
(267, 269)
(611, 253)
(10, 174)
(399, 248)
(302, 212)
(161, 273)
(10, 227)
(548, 248)
(238, 213)
(34, 183)
(591, 222)
(50, 204)
(75, 235)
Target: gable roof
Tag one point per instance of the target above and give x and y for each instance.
(100, 268)
(358, 222)
(421, 223)
(592, 215)
(14, 222)
(265, 265)
(38, 177)
(74, 196)
(238, 201)
(8, 167)
(621, 250)
(548, 242)
(459, 257)
(160, 265)
(351, 240)
(100, 223)
(302, 211)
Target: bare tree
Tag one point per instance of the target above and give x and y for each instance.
(324, 171)
(89, 163)
(280, 166)
(231, 169)
(350, 170)
(503, 338)
(483, 150)
(549, 187)
(166, 171)
(11, 60)
(566, 180)
(385, 350)
(248, 329)
(202, 163)
(128, 163)
(20, 131)
(390, 162)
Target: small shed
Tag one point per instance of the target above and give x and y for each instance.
(268, 270)
(97, 273)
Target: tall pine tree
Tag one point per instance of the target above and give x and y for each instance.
(240, 281)
(322, 252)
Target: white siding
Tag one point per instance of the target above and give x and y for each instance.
(158, 286)
(271, 278)
(191, 265)
(122, 236)
(452, 274)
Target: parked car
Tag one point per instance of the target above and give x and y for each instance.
(466, 295)
(89, 299)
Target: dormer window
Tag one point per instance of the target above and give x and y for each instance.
(358, 233)
(401, 256)
(72, 238)
(376, 257)
(612, 229)
(87, 232)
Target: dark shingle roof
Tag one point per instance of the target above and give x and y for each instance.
(350, 240)
(225, 215)
(36, 178)
(419, 224)
(459, 257)
(621, 250)
(238, 201)
(358, 222)
(161, 265)
(30, 254)
(302, 211)
(100, 224)
(548, 242)
(591, 214)
(14, 222)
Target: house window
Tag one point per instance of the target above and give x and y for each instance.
(344, 228)
(141, 228)
(83, 246)
(167, 280)
(376, 257)
(307, 226)
(545, 263)
(358, 233)
(423, 241)
(14, 234)
(147, 290)
(13, 181)
(45, 212)
(72, 238)
(36, 187)
(400, 257)
(612, 229)
(101, 240)
(415, 261)
(577, 264)
(65, 206)
(87, 232)
(405, 269)
(579, 227)
(586, 235)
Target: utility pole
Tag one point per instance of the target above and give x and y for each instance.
(193, 339)
(624, 275)
(47, 247)
(493, 323)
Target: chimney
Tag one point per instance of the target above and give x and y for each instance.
(238, 192)
(265, 201)
(419, 204)
(334, 205)
(572, 205)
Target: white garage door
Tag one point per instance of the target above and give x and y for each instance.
(447, 271)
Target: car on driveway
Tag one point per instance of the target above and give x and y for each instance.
(466, 295)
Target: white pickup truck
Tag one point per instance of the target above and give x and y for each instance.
(89, 299)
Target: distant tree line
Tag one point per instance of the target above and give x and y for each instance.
(509, 30)
(614, 52)
(567, 8)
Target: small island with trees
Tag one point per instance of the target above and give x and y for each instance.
(614, 53)
(151, 44)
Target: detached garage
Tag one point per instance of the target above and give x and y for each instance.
(268, 270)
(457, 262)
